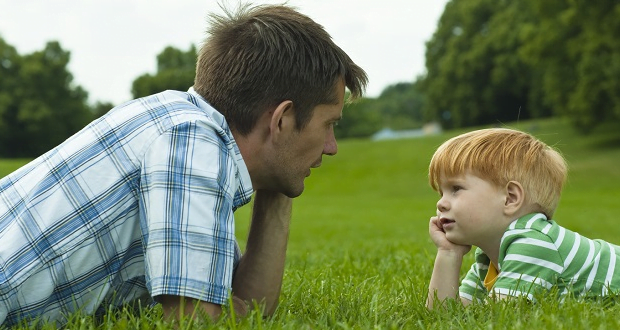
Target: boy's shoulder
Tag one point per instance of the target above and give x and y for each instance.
(532, 226)
(534, 221)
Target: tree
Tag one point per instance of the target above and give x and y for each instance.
(474, 73)
(9, 68)
(574, 45)
(176, 70)
(359, 119)
(101, 108)
(39, 105)
(401, 106)
(502, 60)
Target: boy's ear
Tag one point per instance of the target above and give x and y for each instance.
(282, 120)
(515, 197)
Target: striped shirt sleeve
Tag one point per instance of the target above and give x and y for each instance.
(471, 287)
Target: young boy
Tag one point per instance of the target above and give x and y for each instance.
(499, 189)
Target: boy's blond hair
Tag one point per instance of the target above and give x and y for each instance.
(500, 155)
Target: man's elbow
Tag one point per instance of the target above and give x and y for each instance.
(242, 307)
(177, 308)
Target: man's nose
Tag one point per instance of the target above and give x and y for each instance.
(331, 146)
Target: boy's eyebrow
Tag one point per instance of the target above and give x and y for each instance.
(451, 180)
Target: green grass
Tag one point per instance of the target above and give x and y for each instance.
(10, 165)
(359, 254)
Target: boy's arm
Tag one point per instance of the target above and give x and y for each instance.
(445, 278)
(444, 282)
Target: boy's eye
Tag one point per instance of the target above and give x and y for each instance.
(456, 188)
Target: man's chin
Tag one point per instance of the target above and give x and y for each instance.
(293, 192)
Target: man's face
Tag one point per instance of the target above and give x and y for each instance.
(304, 148)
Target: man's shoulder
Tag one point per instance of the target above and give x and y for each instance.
(166, 109)
(166, 101)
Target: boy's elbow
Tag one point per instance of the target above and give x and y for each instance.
(434, 303)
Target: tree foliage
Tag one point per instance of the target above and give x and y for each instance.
(359, 119)
(473, 73)
(499, 60)
(39, 105)
(578, 57)
(400, 106)
(176, 70)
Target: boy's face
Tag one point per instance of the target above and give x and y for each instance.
(471, 210)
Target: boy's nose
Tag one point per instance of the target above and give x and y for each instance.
(442, 205)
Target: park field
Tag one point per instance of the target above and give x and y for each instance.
(359, 255)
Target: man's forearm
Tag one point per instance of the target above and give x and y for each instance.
(260, 270)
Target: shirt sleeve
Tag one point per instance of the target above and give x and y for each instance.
(531, 264)
(471, 287)
(186, 214)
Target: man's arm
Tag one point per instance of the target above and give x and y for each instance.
(260, 270)
(259, 273)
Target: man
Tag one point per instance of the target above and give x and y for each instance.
(139, 204)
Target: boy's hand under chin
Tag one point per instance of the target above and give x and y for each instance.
(445, 279)
(438, 236)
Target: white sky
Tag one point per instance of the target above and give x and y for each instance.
(112, 42)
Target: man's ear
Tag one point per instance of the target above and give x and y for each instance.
(515, 197)
(282, 120)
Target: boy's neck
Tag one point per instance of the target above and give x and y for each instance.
(491, 247)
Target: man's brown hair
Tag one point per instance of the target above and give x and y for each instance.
(260, 56)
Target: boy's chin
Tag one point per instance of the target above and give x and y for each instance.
(454, 239)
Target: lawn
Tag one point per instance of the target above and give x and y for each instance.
(359, 254)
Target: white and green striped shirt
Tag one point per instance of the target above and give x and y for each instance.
(537, 254)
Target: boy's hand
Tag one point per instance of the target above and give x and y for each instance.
(438, 236)
(445, 279)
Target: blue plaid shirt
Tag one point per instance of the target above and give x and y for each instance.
(137, 204)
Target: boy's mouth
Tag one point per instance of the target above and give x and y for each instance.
(445, 221)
